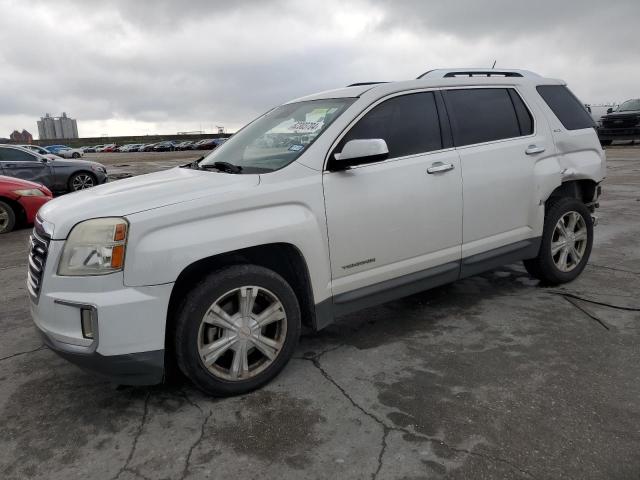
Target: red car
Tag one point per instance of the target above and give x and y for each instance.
(20, 200)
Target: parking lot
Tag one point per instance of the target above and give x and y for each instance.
(494, 376)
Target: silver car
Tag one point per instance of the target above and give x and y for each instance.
(58, 175)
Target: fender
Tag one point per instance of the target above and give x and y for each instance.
(167, 240)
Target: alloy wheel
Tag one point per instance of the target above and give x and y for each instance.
(82, 181)
(569, 241)
(4, 219)
(242, 333)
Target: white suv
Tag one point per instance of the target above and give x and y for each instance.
(325, 205)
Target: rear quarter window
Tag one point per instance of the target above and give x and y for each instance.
(564, 104)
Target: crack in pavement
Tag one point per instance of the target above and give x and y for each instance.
(386, 429)
(595, 302)
(613, 268)
(588, 314)
(41, 347)
(185, 470)
(143, 420)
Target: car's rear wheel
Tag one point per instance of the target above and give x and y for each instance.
(7, 218)
(81, 181)
(566, 244)
(237, 329)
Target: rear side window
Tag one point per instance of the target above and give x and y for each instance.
(485, 114)
(408, 123)
(571, 113)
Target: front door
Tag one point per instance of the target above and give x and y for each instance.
(19, 163)
(398, 221)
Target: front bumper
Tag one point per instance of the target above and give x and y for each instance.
(127, 338)
(619, 133)
(144, 368)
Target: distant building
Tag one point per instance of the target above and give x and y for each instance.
(21, 137)
(50, 128)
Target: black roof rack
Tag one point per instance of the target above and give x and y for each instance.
(360, 84)
(476, 73)
(491, 73)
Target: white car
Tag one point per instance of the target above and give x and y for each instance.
(70, 152)
(362, 195)
(41, 151)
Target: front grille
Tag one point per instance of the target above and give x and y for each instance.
(38, 248)
(623, 121)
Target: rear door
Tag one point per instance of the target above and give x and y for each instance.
(391, 223)
(22, 164)
(499, 143)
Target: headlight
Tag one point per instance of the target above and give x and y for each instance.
(95, 247)
(34, 192)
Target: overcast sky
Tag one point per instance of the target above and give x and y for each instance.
(144, 67)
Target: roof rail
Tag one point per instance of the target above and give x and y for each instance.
(361, 84)
(476, 72)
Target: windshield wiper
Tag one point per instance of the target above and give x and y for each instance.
(223, 167)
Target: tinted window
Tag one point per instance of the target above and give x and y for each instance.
(408, 123)
(525, 121)
(482, 115)
(14, 155)
(566, 107)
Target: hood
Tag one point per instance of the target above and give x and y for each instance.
(137, 194)
(18, 183)
(61, 162)
(626, 113)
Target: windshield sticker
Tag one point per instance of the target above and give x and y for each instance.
(306, 127)
(296, 147)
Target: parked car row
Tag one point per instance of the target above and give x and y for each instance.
(164, 146)
(28, 176)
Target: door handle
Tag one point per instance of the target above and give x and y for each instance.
(438, 167)
(533, 149)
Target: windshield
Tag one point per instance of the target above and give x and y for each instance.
(629, 105)
(278, 137)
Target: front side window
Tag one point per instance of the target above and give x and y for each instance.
(279, 137)
(569, 110)
(481, 115)
(408, 123)
(15, 155)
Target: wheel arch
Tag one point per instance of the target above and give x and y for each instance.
(283, 258)
(585, 190)
(18, 210)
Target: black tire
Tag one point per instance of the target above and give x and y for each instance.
(543, 267)
(7, 218)
(606, 143)
(196, 304)
(75, 155)
(73, 178)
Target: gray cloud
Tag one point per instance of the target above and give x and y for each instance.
(172, 65)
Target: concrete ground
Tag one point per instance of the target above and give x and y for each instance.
(490, 377)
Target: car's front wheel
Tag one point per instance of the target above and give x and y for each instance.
(237, 329)
(566, 244)
(7, 218)
(75, 155)
(81, 181)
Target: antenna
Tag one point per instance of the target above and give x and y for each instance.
(494, 64)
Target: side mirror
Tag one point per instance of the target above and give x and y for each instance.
(358, 152)
(609, 110)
